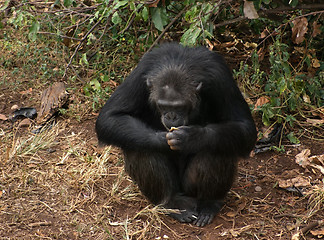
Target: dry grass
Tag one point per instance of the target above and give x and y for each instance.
(58, 185)
(315, 199)
(57, 174)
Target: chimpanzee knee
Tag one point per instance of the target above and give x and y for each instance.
(154, 173)
(209, 176)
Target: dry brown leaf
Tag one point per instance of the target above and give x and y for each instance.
(315, 122)
(315, 63)
(318, 233)
(3, 117)
(294, 182)
(315, 162)
(261, 53)
(319, 113)
(250, 45)
(299, 30)
(28, 91)
(316, 29)
(24, 123)
(261, 101)
(237, 232)
(231, 214)
(228, 44)
(306, 98)
(249, 10)
(242, 204)
(264, 33)
(113, 83)
(210, 45)
(302, 157)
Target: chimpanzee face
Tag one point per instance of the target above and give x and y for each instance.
(174, 112)
(174, 97)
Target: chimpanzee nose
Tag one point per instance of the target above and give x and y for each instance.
(171, 116)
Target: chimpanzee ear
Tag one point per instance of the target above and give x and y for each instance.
(149, 82)
(199, 87)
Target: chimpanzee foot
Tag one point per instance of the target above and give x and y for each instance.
(207, 211)
(204, 219)
(187, 207)
(185, 216)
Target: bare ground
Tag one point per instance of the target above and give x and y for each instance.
(59, 185)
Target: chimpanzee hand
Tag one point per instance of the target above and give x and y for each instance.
(183, 138)
(159, 140)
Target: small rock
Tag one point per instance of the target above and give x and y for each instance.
(258, 188)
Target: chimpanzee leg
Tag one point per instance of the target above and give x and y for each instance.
(209, 177)
(157, 176)
(153, 173)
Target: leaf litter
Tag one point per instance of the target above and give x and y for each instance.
(57, 184)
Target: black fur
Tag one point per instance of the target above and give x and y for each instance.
(193, 166)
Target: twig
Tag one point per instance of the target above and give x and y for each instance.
(62, 36)
(82, 40)
(240, 18)
(301, 7)
(167, 28)
(269, 11)
(128, 25)
(79, 45)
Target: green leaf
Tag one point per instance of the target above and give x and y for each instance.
(95, 85)
(116, 19)
(278, 149)
(292, 102)
(84, 58)
(292, 138)
(290, 119)
(34, 27)
(104, 78)
(120, 4)
(267, 114)
(67, 3)
(159, 17)
(145, 14)
(33, 30)
(293, 3)
(190, 36)
(265, 119)
(282, 85)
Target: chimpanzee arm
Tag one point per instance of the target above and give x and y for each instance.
(234, 138)
(121, 120)
(233, 133)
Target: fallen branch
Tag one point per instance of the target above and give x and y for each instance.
(305, 229)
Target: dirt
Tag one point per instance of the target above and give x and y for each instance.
(68, 188)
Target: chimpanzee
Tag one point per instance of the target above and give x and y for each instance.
(182, 124)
